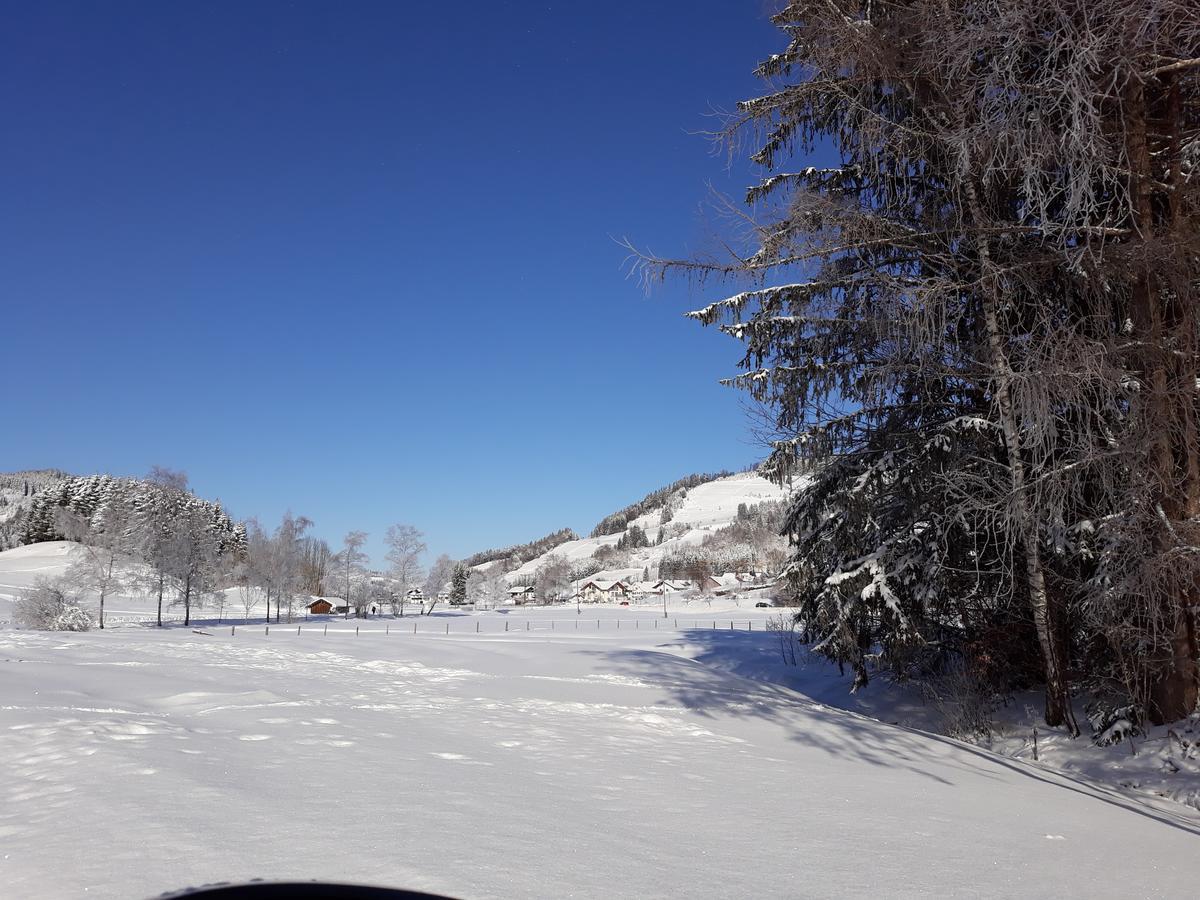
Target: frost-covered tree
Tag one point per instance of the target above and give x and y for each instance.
(172, 479)
(50, 605)
(106, 543)
(553, 578)
(349, 562)
(405, 546)
(977, 330)
(441, 572)
(315, 564)
(192, 559)
(284, 563)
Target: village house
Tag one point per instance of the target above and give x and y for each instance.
(603, 591)
(320, 607)
(670, 586)
(521, 594)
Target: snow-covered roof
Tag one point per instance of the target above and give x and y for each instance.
(667, 584)
(604, 585)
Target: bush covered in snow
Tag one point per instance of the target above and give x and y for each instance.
(50, 606)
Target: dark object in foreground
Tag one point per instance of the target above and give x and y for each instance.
(301, 890)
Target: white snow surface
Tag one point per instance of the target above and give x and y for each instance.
(567, 756)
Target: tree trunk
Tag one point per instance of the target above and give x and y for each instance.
(1058, 704)
(187, 601)
(1166, 363)
(160, 596)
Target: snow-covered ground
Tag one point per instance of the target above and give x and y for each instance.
(585, 761)
(537, 752)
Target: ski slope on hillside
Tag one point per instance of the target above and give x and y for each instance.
(587, 763)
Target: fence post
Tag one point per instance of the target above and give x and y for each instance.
(414, 626)
(551, 624)
(356, 631)
(447, 628)
(326, 629)
(597, 624)
(387, 628)
(266, 629)
(750, 625)
(506, 624)
(477, 626)
(731, 624)
(527, 625)
(232, 630)
(297, 631)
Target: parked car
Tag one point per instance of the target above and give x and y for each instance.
(762, 604)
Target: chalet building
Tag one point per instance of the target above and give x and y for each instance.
(521, 594)
(603, 591)
(320, 607)
(670, 586)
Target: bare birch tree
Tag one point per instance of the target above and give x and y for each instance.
(405, 547)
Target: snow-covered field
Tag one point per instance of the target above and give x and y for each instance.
(528, 763)
(529, 753)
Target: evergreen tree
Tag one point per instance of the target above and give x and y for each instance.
(977, 333)
(458, 584)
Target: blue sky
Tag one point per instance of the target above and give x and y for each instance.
(357, 260)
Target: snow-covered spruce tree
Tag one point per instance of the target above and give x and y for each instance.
(978, 329)
(458, 584)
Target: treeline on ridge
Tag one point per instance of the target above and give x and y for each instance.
(619, 521)
(523, 552)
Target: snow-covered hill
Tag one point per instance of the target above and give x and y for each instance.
(696, 513)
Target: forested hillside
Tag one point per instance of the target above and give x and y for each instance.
(90, 504)
(617, 522)
(523, 552)
(17, 490)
